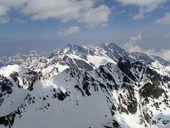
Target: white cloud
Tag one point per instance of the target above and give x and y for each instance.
(65, 10)
(95, 16)
(164, 53)
(69, 31)
(145, 6)
(132, 46)
(83, 11)
(6, 6)
(136, 38)
(140, 2)
(164, 20)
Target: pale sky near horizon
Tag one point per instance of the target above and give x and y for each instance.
(45, 25)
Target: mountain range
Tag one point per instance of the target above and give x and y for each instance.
(101, 86)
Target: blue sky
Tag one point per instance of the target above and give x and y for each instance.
(45, 25)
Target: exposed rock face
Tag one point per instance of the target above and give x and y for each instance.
(5, 88)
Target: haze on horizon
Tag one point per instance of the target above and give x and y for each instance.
(43, 25)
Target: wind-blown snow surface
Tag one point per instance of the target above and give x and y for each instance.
(122, 95)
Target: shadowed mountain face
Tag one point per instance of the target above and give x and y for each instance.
(86, 87)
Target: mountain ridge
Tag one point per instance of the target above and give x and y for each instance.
(75, 88)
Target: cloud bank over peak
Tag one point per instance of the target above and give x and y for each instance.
(132, 46)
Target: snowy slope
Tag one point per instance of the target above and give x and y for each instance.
(122, 95)
(100, 86)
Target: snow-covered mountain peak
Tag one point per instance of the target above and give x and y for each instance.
(103, 81)
(115, 93)
(73, 49)
(87, 58)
